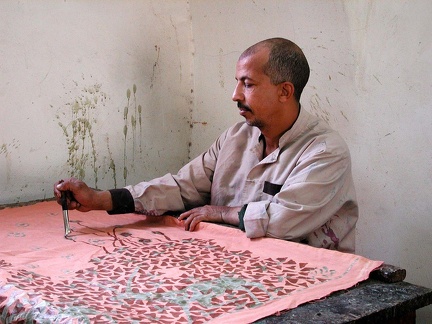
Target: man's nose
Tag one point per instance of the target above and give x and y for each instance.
(237, 94)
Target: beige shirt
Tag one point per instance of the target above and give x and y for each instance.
(303, 191)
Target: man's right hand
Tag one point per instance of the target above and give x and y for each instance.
(82, 197)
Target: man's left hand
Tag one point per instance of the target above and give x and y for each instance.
(209, 213)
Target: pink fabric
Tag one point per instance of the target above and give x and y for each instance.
(132, 267)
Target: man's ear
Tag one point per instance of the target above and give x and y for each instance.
(286, 91)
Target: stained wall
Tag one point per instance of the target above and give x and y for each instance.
(97, 90)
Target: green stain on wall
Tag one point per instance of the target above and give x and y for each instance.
(132, 114)
(3, 149)
(112, 165)
(82, 135)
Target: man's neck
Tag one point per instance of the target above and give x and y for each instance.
(272, 136)
(269, 147)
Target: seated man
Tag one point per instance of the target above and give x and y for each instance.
(282, 173)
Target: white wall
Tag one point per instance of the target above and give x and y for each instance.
(371, 79)
(76, 60)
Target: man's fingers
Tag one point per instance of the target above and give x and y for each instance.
(188, 221)
(191, 219)
(195, 221)
(184, 215)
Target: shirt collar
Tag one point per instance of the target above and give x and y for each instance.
(295, 130)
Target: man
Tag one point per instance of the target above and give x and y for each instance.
(282, 173)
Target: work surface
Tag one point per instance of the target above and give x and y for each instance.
(133, 268)
(371, 301)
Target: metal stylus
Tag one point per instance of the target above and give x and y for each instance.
(65, 213)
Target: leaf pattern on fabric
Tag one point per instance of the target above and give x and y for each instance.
(187, 281)
(139, 269)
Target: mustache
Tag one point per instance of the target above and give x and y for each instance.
(242, 106)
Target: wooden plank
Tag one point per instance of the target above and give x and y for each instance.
(371, 301)
(389, 273)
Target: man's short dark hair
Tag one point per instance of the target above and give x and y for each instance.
(287, 63)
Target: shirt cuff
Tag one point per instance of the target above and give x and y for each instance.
(241, 214)
(122, 201)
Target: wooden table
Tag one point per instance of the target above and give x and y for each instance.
(384, 298)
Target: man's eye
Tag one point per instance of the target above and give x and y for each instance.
(248, 85)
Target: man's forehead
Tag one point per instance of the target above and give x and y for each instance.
(259, 55)
(250, 67)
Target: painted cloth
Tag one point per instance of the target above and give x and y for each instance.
(302, 192)
(144, 269)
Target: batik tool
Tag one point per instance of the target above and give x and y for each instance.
(65, 213)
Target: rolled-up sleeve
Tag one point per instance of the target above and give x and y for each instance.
(256, 219)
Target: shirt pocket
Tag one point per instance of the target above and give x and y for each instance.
(271, 188)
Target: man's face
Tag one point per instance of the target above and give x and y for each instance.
(256, 96)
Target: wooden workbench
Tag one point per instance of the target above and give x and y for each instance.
(385, 298)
